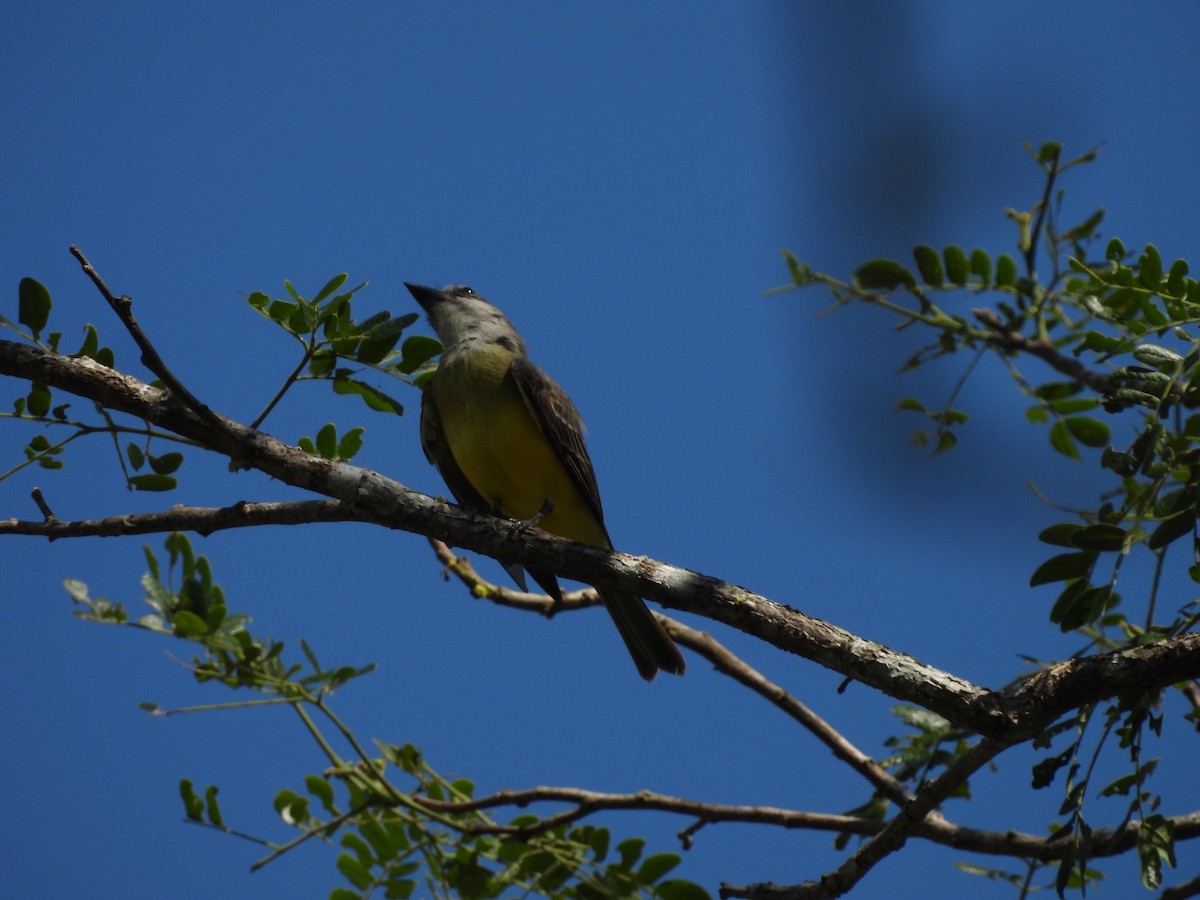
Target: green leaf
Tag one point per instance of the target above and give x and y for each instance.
(1061, 440)
(1124, 464)
(321, 789)
(929, 264)
(350, 443)
(327, 441)
(33, 305)
(1175, 502)
(330, 286)
(354, 871)
(214, 809)
(1172, 529)
(678, 889)
(800, 272)
(188, 624)
(322, 363)
(947, 440)
(1103, 343)
(1101, 538)
(416, 351)
(1089, 432)
(1150, 271)
(193, 806)
(1006, 271)
(153, 482)
(1177, 279)
(1115, 252)
(1063, 567)
(91, 342)
(360, 847)
(280, 310)
(883, 275)
(1044, 771)
(1061, 535)
(1057, 390)
(630, 850)
(37, 401)
(167, 463)
(958, 268)
(1159, 357)
(981, 265)
(306, 444)
(379, 341)
(1079, 604)
(301, 320)
(1086, 228)
(1155, 845)
(1070, 405)
(1050, 151)
(1121, 786)
(1136, 397)
(656, 866)
(374, 398)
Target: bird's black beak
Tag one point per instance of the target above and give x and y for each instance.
(428, 297)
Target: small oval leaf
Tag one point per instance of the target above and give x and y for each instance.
(1063, 567)
(883, 275)
(929, 264)
(33, 305)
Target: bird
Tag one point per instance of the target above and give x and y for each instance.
(507, 440)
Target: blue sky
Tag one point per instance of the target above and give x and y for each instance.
(619, 179)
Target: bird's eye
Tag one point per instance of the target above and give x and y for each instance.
(466, 291)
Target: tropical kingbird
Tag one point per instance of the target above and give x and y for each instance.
(509, 441)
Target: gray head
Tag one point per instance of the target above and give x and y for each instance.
(461, 317)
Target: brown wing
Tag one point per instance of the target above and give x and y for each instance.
(647, 641)
(561, 424)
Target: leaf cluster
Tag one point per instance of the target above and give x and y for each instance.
(1119, 332)
(336, 346)
(373, 808)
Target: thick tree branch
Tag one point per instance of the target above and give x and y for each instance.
(375, 498)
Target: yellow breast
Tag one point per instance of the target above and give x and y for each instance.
(501, 449)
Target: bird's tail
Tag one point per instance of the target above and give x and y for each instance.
(649, 644)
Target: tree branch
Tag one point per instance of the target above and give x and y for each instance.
(123, 307)
(706, 646)
(200, 520)
(1016, 715)
(1004, 338)
(914, 821)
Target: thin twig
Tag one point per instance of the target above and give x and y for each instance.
(705, 645)
(123, 307)
(740, 671)
(42, 505)
(1043, 208)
